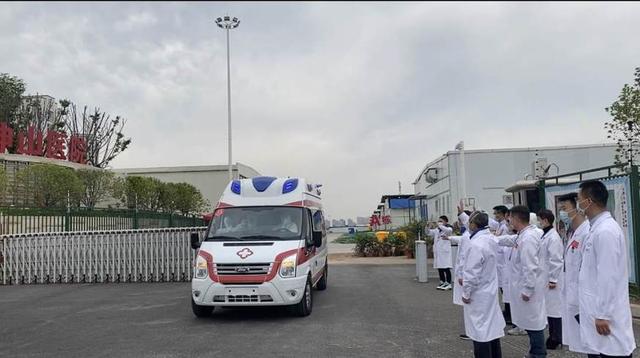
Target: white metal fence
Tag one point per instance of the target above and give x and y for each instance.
(148, 255)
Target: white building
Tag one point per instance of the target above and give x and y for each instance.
(397, 207)
(211, 180)
(481, 176)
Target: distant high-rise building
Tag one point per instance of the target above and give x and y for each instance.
(362, 220)
(351, 222)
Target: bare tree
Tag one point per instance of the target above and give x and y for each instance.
(42, 112)
(103, 135)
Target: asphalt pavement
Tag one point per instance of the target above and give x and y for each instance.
(367, 311)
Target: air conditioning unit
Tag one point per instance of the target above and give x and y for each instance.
(507, 200)
(432, 175)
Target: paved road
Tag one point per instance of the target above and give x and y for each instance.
(335, 248)
(367, 311)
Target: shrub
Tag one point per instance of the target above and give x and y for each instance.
(368, 244)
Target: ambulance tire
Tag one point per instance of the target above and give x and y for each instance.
(305, 306)
(322, 284)
(201, 311)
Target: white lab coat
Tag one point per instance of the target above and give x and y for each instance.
(525, 277)
(570, 304)
(503, 253)
(483, 319)
(551, 254)
(463, 249)
(442, 256)
(603, 288)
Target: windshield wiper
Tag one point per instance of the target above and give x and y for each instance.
(261, 237)
(221, 238)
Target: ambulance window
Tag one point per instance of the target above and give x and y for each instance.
(318, 222)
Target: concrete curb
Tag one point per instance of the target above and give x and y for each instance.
(349, 259)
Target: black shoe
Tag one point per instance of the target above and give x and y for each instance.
(465, 337)
(552, 344)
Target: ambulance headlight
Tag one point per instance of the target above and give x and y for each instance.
(201, 268)
(288, 266)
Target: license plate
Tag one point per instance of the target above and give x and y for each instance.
(242, 291)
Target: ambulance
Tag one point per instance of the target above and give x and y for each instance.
(266, 245)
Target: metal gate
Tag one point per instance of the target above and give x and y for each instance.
(148, 255)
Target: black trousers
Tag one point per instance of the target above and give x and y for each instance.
(555, 329)
(606, 356)
(445, 275)
(487, 349)
(507, 312)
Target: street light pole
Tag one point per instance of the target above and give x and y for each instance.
(227, 23)
(630, 133)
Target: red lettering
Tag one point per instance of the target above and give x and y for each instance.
(6, 137)
(56, 145)
(31, 144)
(77, 150)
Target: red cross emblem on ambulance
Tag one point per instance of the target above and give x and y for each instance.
(244, 253)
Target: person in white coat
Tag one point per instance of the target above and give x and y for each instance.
(551, 256)
(526, 281)
(577, 228)
(463, 247)
(603, 283)
(500, 214)
(483, 319)
(442, 256)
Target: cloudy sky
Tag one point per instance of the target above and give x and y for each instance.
(357, 96)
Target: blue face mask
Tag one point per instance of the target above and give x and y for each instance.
(564, 217)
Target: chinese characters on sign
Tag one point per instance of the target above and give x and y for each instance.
(376, 220)
(54, 145)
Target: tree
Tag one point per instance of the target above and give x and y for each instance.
(141, 192)
(168, 196)
(41, 112)
(11, 90)
(189, 199)
(624, 126)
(181, 197)
(103, 135)
(97, 184)
(47, 186)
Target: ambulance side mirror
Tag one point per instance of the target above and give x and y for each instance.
(317, 238)
(195, 240)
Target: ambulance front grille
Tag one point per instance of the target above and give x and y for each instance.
(242, 298)
(243, 269)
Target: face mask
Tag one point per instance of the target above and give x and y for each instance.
(580, 209)
(564, 217)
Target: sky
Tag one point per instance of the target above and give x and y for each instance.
(356, 96)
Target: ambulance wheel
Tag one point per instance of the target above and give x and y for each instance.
(201, 311)
(322, 284)
(305, 306)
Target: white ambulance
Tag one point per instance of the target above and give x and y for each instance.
(266, 245)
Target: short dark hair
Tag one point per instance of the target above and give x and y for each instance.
(546, 214)
(480, 219)
(571, 198)
(444, 218)
(501, 209)
(521, 212)
(596, 191)
(468, 212)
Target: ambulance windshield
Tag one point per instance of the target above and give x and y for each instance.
(256, 223)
